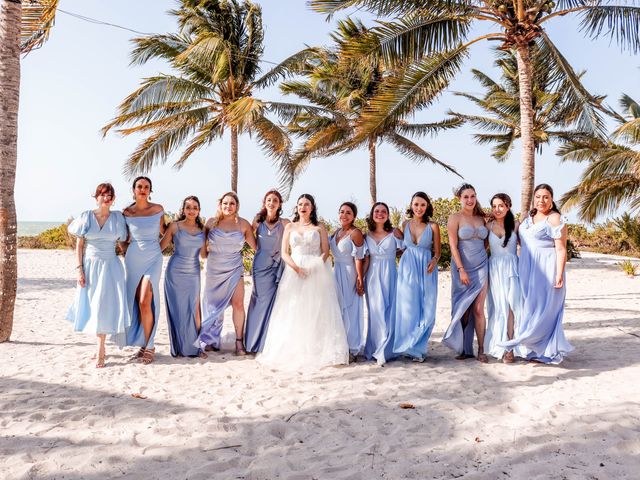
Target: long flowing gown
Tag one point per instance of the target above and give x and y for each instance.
(345, 253)
(504, 292)
(143, 259)
(101, 305)
(380, 288)
(267, 270)
(540, 330)
(224, 271)
(305, 329)
(474, 260)
(182, 292)
(416, 296)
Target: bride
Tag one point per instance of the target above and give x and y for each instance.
(305, 330)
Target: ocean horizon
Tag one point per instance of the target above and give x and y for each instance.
(32, 228)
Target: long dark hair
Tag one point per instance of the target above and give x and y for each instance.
(387, 227)
(509, 219)
(353, 208)
(133, 187)
(547, 187)
(261, 216)
(477, 209)
(314, 214)
(428, 213)
(182, 216)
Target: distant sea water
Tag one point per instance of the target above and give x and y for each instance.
(29, 229)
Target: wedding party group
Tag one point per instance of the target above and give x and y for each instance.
(310, 287)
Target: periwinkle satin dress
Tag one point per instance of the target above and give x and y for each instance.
(474, 260)
(345, 253)
(540, 329)
(504, 292)
(267, 270)
(143, 259)
(224, 271)
(101, 305)
(182, 292)
(416, 296)
(380, 288)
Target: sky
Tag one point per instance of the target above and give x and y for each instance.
(72, 86)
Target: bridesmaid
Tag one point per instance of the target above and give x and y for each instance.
(380, 283)
(224, 286)
(503, 301)
(347, 247)
(469, 275)
(267, 269)
(182, 279)
(543, 256)
(143, 263)
(417, 288)
(100, 304)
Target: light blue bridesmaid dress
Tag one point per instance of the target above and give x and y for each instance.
(345, 253)
(416, 296)
(143, 259)
(540, 329)
(182, 292)
(474, 260)
(267, 270)
(380, 288)
(101, 305)
(224, 271)
(504, 292)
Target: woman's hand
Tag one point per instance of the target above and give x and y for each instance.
(559, 282)
(464, 278)
(302, 272)
(432, 265)
(359, 286)
(81, 280)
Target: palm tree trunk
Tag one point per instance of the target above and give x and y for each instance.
(234, 159)
(10, 17)
(372, 170)
(526, 127)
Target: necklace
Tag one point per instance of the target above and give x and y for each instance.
(305, 224)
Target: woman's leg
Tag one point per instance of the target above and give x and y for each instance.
(101, 352)
(237, 304)
(144, 297)
(480, 322)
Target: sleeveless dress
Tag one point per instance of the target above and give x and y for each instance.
(182, 292)
(380, 288)
(305, 329)
(416, 296)
(143, 259)
(504, 292)
(345, 254)
(540, 329)
(101, 305)
(224, 271)
(475, 263)
(267, 269)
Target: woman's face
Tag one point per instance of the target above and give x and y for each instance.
(229, 206)
(272, 204)
(304, 207)
(543, 200)
(380, 214)
(191, 209)
(418, 207)
(346, 216)
(105, 199)
(468, 199)
(499, 208)
(142, 189)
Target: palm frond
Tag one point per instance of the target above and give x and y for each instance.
(414, 152)
(618, 22)
(423, 129)
(166, 47)
(35, 25)
(289, 65)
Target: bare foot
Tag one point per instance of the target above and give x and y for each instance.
(482, 358)
(508, 357)
(201, 354)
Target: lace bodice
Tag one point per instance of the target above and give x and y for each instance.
(305, 243)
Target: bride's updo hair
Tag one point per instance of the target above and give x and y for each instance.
(314, 214)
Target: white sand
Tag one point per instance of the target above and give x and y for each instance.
(230, 418)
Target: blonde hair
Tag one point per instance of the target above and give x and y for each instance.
(219, 215)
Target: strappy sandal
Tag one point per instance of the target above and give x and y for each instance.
(241, 352)
(148, 356)
(138, 355)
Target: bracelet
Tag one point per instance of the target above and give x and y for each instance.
(460, 268)
(79, 266)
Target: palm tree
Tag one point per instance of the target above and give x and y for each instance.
(612, 177)
(435, 35)
(554, 112)
(216, 53)
(341, 89)
(22, 28)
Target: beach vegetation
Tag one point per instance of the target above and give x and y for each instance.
(628, 267)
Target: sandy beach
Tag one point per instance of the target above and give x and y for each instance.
(230, 418)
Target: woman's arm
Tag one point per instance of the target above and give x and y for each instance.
(358, 240)
(167, 238)
(560, 245)
(80, 265)
(249, 236)
(284, 252)
(324, 243)
(437, 247)
(452, 230)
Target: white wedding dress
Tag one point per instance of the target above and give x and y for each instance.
(305, 328)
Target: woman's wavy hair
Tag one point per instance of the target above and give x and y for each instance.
(261, 216)
(182, 216)
(428, 213)
(133, 187)
(387, 227)
(219, 214)
(314, 213)
(477, 209)
(353, 208)
(547, 187)
(509, 219)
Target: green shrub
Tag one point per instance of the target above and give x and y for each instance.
(54, 238)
